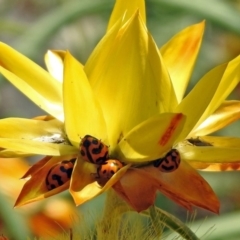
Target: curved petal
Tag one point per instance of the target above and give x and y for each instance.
(184, 186)
(36, 189)
(7, 153)
(41, 137)
(127, 74)
(221, 141)
(84, 186)
(54, 62)
(195, 103)
(151, 139)
(20, 128)
(83, 114)
(226, 114)
(38, 165)
(36, 147)
(180, 54)
(138, 192)
(229, 80)
(32, 80)
(125, 9)
(83, 174)
(210, 154)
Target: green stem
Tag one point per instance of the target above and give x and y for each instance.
(176, 225)
(108, 228)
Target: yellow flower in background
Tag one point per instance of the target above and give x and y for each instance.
(131, 96)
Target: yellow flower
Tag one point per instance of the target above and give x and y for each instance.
(131, 96)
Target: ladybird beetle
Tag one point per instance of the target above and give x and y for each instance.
(59, 174)
(169, 163)
(93, 150)
(107, 170)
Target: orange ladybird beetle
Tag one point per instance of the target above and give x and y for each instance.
(93, 150)
(107, 170)
(169, 163)
(59, 174)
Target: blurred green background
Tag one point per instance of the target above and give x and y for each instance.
(32, 27)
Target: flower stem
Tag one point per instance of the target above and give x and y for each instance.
(175, 224)
(108, 227)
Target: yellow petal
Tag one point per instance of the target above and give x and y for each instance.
(217, 141)
(167, 98)
(127, 74)
(20, 128)
(16, 132)
(210, 154)
(36, 147)
(82, 175)
(180, 54)
(125, 9)
(230, 78)
(184, 186)
(197, 101)
(84, 186)
(32, 80)
(228, 146)
(151, 139)
(227, 113)
(6, 153)
(54, 62)
(36, 189)
(83, 114)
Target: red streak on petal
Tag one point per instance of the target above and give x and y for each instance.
(170, 129)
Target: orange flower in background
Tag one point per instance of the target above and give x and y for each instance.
(49, 219)
(3, 237)
(130, 98)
